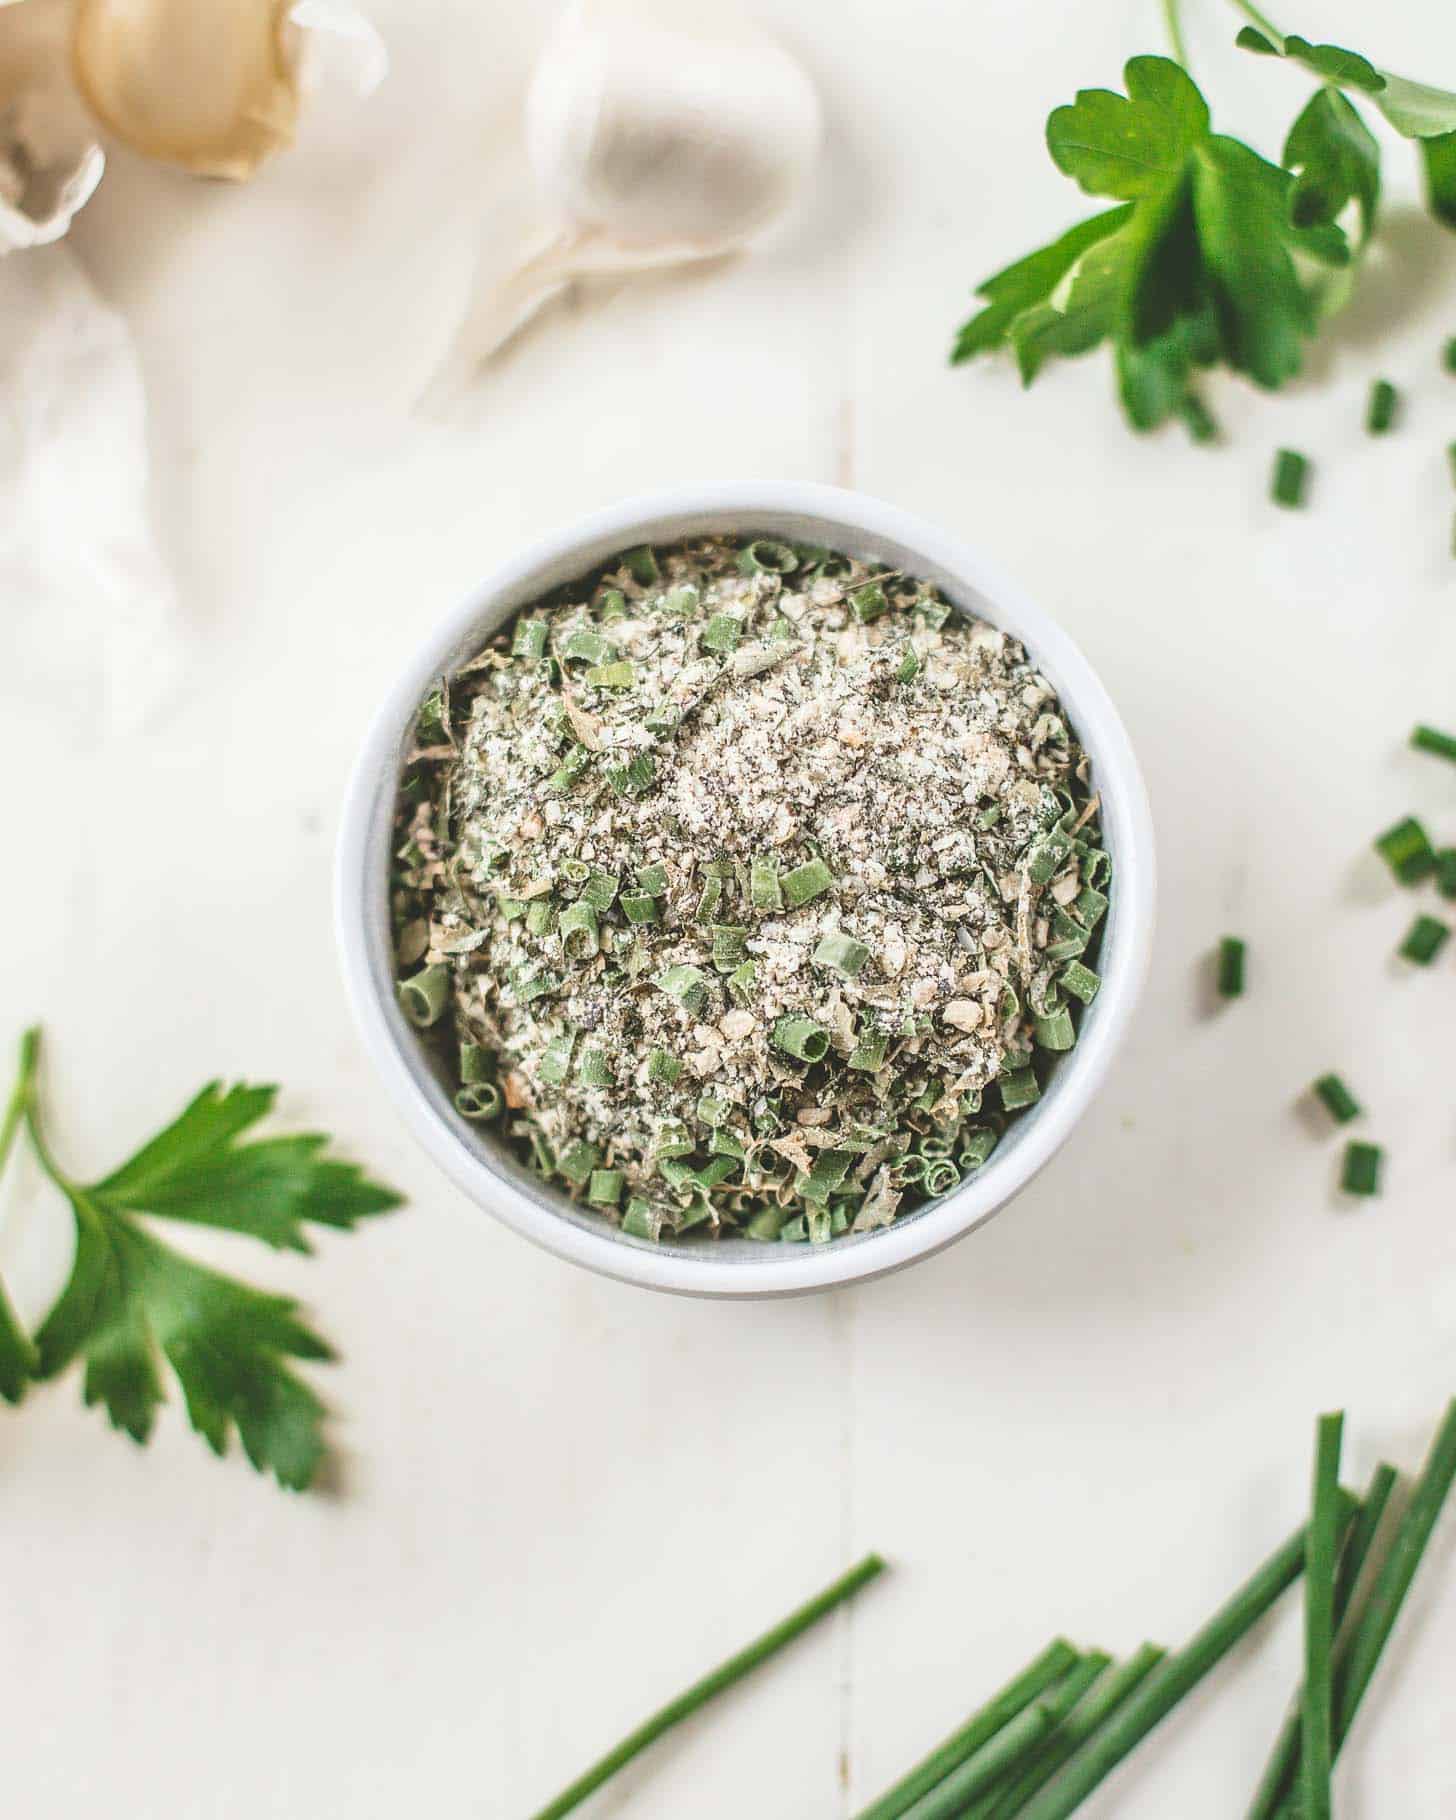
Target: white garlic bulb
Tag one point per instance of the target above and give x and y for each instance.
(658, 131)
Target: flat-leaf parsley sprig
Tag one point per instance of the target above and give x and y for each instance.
(131, 1301)
(1212, 255)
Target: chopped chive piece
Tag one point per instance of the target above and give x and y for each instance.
(842, 953)
(869, 1052)
(983, 1725)
(1018, 1088)
(540, 916)
(713, 1110)
(593, 1069)
(722, 633)
(1406, 849)
(807, 882)
(941, 1175)
(1054, 1030)
(688, 985)
(740, 982)
(868, 603)
(555, 1061)
(1449, 355)
(1376, 1622)
(764, 554)
(530, 986)
(763, 884)
(1176, 1676)
(640, 1220)
(767, 1223)
(635, 776)
(479, 1102)
(577, 1163)
(580, 934)
(423, 998)
(638, 907)
(662, 1066)
(530, 639)
(1361, 1171)
(1425, 939)
(511, 908)
(652, 879)
(1446, 872)
(570, 769)
(1232, 953)
(599, 889)
(1336, 1098)
(978, 1147)
(605, 1187)
(587, 647)
(734, 1669)
(1080, 981)
(619, 675)
(1317, 1748)
(909, 665)
(679, 602)
(1428, 739)
(641, 565)
(801, 1038)
(612, 604)
(1291, 478)
(708, 902)
(476, 1064)
(1380, 413)
(1045, 857)
(729, 945)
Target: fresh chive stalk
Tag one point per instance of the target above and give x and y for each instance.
(1317, 1752)
(734, 1669)
(1431, 739)
(983, 1725)
(1175, 1677)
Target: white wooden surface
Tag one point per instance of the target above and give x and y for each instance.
(559, 1498)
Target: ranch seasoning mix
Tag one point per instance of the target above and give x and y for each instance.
(747, 887)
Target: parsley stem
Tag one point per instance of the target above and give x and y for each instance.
(1256, 18)
(21, 1094)
(1174, 23)
(734, 1669)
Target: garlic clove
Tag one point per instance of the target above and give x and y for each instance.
(50, 163)
(212, 89)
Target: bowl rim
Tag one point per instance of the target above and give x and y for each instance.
(524, 1201)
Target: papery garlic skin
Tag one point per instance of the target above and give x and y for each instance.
(211, 86)
(50, 162)
(660, 122)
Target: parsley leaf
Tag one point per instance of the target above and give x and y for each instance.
(1415, 109)
(1335, 160)
(1215, 254)
(131, 1303)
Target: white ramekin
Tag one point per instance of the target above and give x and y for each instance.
(485, 1168)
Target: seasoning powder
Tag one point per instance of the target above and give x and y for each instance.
(746, 886)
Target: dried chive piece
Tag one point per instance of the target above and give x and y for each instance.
(1176, 1676)
(1429, 739)
(734, 1669)
(978, 1147)
(842, 953)
(639, 907)
(1406, 849)
(424, 997)
(530, 986)
(764, 891)
(1336, 1098)
(686, 984)
(801, 1038)
(479, 1102)
(663, 1066)
(1291, 478)
(653, 879)
(586, 647)
(641, 1221)
(709, 899)
(605, 1187)
(576, 1163)
(1446, 872)
(530, 639)
(730, 944)
(635, 777)
(1018, 1694)
(868, 1056)
(555, 1063)
(1317, 1747)
(868, 603)
(1380, 412)
(1054, 1030)
(767, 556)
(580, 932)
(722, 633)
(1424, 940)
(1232, 953)
(618, 675)
(593, 1069)
(1361, 1171)
(806, 882)
(1372, 1631)
(476, 1064)
(941, 1175)
(570, 769)
(611, 604)
(1080, 981)
(740, 982)
(641, 565)
(1018, 1088)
